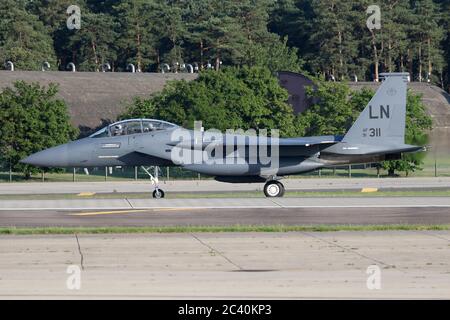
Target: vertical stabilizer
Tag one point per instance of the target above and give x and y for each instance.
(382, 122)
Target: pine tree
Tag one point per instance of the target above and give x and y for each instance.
(428, 34)
(24, 40)
(446, 25)
(173, 31)
(53, 13)
(333, 36)
(138, 40)
(294, 19)
(395, 21)
(94, 43)
(195, 14)
(222, 34)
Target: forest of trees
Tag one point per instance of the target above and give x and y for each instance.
(320, 37)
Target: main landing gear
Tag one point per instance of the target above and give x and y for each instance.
(158, 193)
(273, 189)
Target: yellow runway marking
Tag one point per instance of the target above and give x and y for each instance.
(128, 211)
(365, 190)
(106, 212)
(86, 194)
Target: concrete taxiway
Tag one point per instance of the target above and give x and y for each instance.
(223, 265)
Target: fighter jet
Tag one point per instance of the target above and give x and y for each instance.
(377, 135)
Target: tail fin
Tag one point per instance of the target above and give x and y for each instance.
(383, 119)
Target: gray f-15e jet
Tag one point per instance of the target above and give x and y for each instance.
(378, 134)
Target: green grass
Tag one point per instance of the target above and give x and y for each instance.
(317, 194)
(442, 164)
(215, 229)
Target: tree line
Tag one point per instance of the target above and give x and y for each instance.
(321, 37)
(335, 37)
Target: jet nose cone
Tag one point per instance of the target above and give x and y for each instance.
(53, 157)
(30, 160)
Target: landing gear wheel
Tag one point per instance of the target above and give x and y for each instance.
(273, 189)
(158, 194)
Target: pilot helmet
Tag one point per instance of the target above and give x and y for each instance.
(118, 129)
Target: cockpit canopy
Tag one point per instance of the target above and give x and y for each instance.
(133, 126)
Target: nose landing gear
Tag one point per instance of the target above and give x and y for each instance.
(157, 193)
(273, 189)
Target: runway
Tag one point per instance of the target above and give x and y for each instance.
(223, 212)
(18, 209)
(226, 203)
(225, 217)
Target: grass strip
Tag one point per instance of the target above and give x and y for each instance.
(244, 194)
(216, 229)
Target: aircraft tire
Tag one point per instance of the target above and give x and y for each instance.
(273, 189)
(158, 194)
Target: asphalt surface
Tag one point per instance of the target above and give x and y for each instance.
(225, 203)
(225, 217)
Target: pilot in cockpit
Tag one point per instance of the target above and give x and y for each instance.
(118, 130)
(148, 127)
